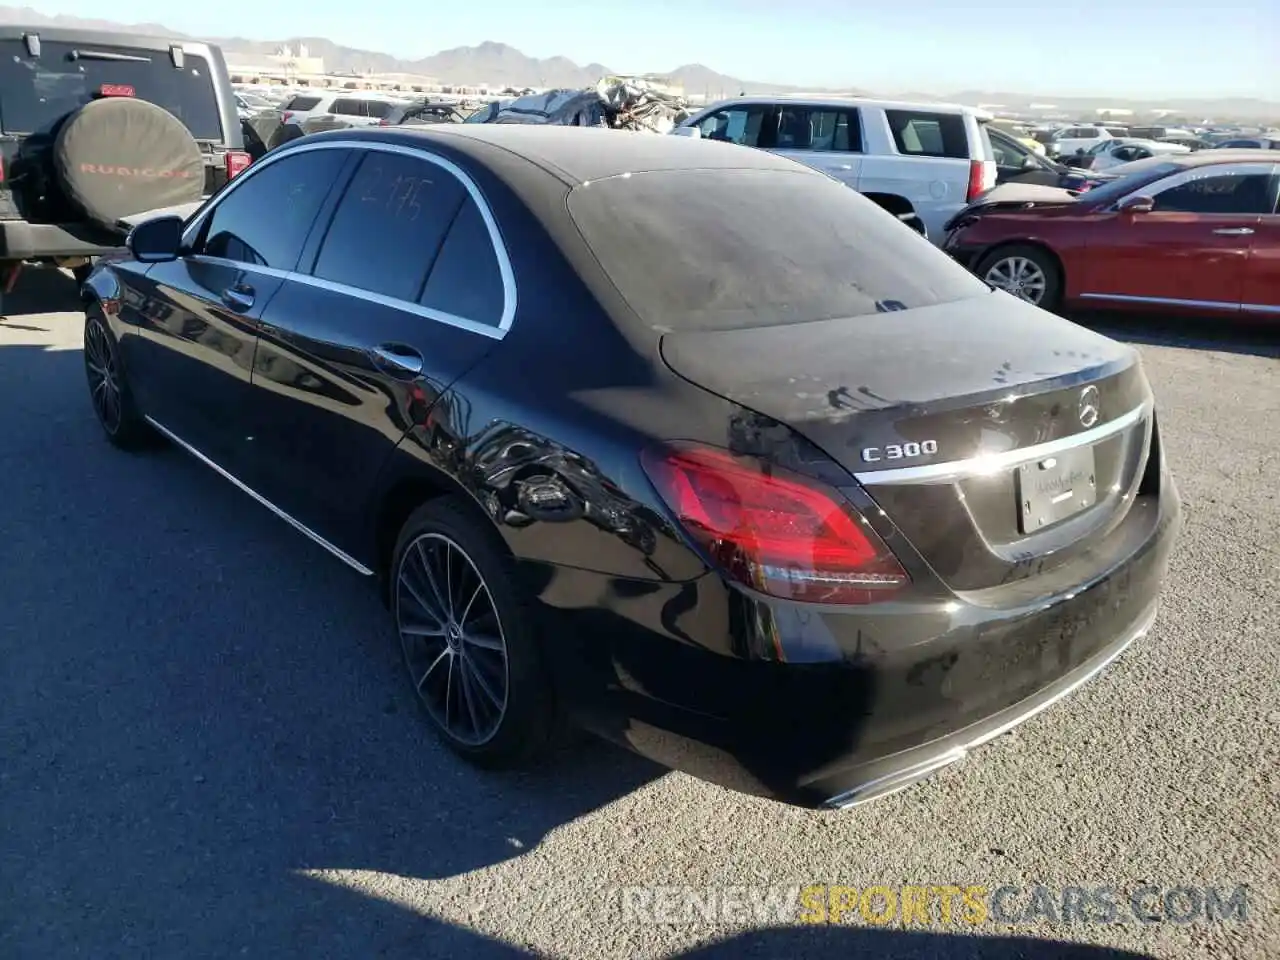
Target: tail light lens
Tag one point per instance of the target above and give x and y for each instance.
(384, 122)
(237, 162)
(286, 117)
(780, 533)
(977, 180)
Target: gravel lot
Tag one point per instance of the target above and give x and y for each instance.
(207, 748)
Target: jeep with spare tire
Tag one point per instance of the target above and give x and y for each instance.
(97, 127)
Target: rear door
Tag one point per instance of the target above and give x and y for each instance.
(198, 324)
(1193, 247)
(405, 289)
(825, 138)
(1261, 296)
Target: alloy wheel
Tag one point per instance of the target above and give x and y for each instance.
(104, 378)
(1019, 276)
(452, 639)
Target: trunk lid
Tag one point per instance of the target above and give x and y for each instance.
(907, 401)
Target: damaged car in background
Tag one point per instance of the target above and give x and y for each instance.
(619, 103)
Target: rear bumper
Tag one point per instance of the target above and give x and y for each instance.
(20, 240)
(819, 708)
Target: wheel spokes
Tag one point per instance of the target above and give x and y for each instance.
(452, 638)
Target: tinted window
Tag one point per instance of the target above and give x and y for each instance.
(1226, 193)
(741, 125)
(465, 280)
(348, 107)
(389, 224)
(1133, 176)
(1005, 151)
(815, 128)
(35, 92)
(265, 219)
(378, 108)
(302, 102)
(698, 249)
(929, 134)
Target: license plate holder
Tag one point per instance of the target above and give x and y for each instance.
(1055, 488)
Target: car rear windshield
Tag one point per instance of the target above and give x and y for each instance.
(37, 92)
(726, 249)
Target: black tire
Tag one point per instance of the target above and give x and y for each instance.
(1050, 297)
(113, 405)
(524, 731)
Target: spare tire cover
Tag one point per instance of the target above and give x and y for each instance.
(286, 133)
(117, 157)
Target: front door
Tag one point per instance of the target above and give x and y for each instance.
(200, 314)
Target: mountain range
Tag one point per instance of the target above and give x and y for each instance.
(500, 65)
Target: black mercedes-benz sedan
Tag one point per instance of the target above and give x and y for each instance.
(688, 443)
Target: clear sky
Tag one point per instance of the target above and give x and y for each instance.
(1137, 48)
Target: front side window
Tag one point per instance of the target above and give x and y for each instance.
(265, 219)
(1221, 194)
(929, 134)
(743, 125)
(389, 225)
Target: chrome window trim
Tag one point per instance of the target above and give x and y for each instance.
(991, 463)
(509, 293)
(1242, 168)
(298, 525)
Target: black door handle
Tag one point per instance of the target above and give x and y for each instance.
(238, 298)
(398, 360)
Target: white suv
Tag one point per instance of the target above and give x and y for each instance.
(922, 161)
(356, 107)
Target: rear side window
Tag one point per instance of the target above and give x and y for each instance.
(389, 225)
(466, 280)
(771, 247)
(303, 102)
(265, 220)
(820, 129)
(348, 107)
(378, 108)
(929, 134)
(37, 92)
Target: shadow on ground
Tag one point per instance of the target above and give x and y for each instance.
(38, 290)
(1260, 338)
(196, 704)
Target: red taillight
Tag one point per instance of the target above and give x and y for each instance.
(977, 180)
(384, 122)
(237, 162)
(773, 530)
(286, 117)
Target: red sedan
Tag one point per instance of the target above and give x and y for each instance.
(1198, 232)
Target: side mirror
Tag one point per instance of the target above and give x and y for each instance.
(1138, 204)
(156, 241)
(692, 132)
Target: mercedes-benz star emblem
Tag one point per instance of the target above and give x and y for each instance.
(1089, 407)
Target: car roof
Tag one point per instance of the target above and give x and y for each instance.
(575, 155)
(104, 38)
(827, 100)
(1200, 158)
